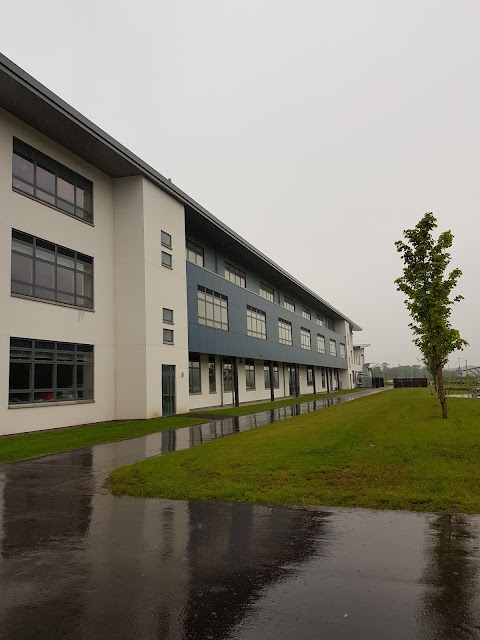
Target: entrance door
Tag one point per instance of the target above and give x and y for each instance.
(168, 389)
(292, 377)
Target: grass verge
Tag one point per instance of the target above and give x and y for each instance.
(386, 451)
(31, 445)
(285, 402)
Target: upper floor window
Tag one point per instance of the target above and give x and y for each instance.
(166, 239)
(285, 332)
(320, 343)
(256, 323)
(166, 259)
(235, 275)
(212, 309)
(266, 292)
(47, 271)
(168, 315)
(195, 253)
(333, 347)
(330, 324)
(305, 338)
(306, 313)
(320, 320)
(45, 179)
(342, 350)
(289, 304)
(249, 375)
(45, 371)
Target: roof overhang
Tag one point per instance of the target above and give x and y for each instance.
(27, 99)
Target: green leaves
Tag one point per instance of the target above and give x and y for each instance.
(428, 290)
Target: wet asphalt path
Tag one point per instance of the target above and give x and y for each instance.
(77, 563)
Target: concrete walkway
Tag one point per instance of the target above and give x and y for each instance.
(78, 563)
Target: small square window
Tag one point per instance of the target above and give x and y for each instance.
(168, 336)
(166, 259)
(166, 239)
(168, 315)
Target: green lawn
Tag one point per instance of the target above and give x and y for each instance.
(263, 406)
(386, 451)
(42, 443)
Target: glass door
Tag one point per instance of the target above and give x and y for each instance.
(168, 389)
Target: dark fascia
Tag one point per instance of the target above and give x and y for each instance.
(116, 160)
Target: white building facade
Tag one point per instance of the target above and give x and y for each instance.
(122, 298)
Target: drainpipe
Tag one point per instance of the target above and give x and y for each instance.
(297, 380)
(221, 381)
(314, 380)
(272, 392)
(327, 372)
(236, 399)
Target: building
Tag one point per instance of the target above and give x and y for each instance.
(358, 365)
(103, 318)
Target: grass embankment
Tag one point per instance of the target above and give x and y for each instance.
(41, 443)
(285, 402)
(385, 451)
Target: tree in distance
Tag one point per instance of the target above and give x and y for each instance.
(428, 288)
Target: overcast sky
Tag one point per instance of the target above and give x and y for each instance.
(317, 130)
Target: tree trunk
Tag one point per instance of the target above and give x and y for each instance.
(441, 392)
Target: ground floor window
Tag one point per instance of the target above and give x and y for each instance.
(194, 374)
(276, 381)
(212, 375)
(46, 371)
(227, 375)
(250, 375)
(310, 376)
(323, 377)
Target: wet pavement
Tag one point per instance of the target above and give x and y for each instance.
(78, 563)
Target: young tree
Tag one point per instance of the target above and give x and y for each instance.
(428, 289)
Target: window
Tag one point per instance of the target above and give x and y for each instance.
(321, 320)
(310, 376)
(342, 350)
(266, 292)
(250, 375)
(168, 336)
(289, 304)
(194, 377)
(212, 309)
(237, 276)
(320, 343)
(45, 179)
(227, 375)
(44, 371)
(333, 347)
(306, 313)
(212, 375)
(194, 253)
(166, 259)
(256, 323)
(323, 377)
(305, 338)
(330, 324)
(285, 332)
(168, 315)
(166, 239)
(47, 271)
(266, 373)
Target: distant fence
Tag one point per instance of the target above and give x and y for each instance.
(409, 382)
(378, 383)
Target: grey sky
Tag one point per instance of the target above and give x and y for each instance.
(317, 130)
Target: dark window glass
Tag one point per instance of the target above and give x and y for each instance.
(194, 377)
(42, 371)
(49, 181)
(166, 239)
(249, 375)
(276, 379)
(212, 375)
(227, 375)
(309, 376)
(212, 309)
(168, 315)
(50, 272)
(166, 259)
(168, 336)
(195, 253)
(235, 275)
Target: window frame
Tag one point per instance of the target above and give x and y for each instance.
(258, 319)
(57, 263)
(333, 351)
(288, 304)
(194, 359)
(266, 292)
(58, 356)
(232, 273)
(320, 340)
(276, 377)
(227, 375)
(166, 263)
(310, 370)
(305, 339)
(250, 383)
(284, 326)
(306, 313)
(196, 250)
(214, 300)
(212, 365)
(60, 172)
(166, 321)
(168, 332)
(342, 350)
(168, 243)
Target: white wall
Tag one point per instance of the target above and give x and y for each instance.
(41, 320)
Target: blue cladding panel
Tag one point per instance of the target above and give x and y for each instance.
(235, 342)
